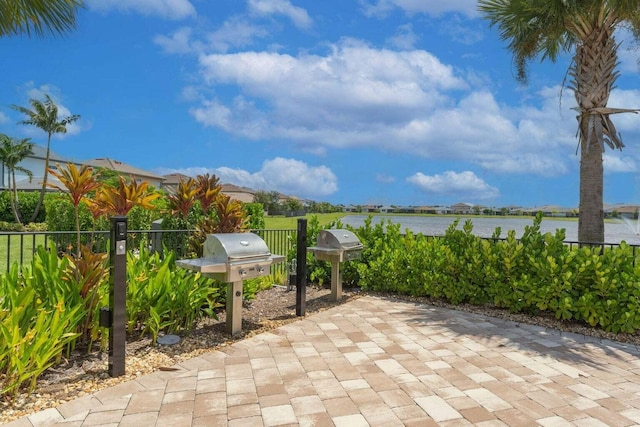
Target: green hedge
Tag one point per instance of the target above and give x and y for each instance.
(535, 273)
(27, 201)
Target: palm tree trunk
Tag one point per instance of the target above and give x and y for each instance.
(44, 182)
(591, 217)
(593, 77)
(13, 200)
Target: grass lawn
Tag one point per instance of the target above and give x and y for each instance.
(283, 223)
(13, 245)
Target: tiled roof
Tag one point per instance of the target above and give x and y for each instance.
(119, 166)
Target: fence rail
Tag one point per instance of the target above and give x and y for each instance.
(20, 246)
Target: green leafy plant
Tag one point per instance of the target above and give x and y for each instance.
(36, 324)
(161, 297)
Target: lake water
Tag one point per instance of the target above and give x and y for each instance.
(615, 232)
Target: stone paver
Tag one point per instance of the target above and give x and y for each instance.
(378, 362)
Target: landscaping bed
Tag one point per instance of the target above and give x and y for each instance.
(85, 374)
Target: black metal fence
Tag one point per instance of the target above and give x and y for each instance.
(20, 246)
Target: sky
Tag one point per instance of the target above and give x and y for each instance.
(386, 102)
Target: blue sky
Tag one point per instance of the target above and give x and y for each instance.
(405, 102)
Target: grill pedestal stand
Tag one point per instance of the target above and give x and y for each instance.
(231, 258)
(336, 281)
(234, 307)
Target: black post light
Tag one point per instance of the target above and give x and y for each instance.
(301, 268)
(118, 296)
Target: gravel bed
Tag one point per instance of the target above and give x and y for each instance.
(85, 374)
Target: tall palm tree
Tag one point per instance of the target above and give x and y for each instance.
(585, 28)
(38, 16)
(12, 152)
(45, 116)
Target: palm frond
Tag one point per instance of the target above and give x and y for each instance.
(38, 16)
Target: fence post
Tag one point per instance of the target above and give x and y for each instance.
(301, 268)
(118, 296)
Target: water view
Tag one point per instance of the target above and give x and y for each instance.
(615, 231)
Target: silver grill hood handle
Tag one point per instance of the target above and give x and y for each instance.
(249, 257)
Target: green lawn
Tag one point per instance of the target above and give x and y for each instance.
(11, 246)
(282, 223)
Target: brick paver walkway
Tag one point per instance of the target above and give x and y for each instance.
(376, 362)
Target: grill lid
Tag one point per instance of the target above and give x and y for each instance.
(234, 247)
(338, 239)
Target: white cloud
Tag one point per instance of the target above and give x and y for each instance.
(384, 178)
(33, 92)
(462, 31)
(288, 176)
(298, 16)
(170, 9)
(178, 42)
(618, 163)
(429, 7)
(409, 101)
(404, 38)
(628, 51)
(625, 122)
(350, 90)
(235, 32)
(3, 118)
(463, 184)
(402, 101)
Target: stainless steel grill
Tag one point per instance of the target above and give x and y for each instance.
(336, 246)
(231, 258)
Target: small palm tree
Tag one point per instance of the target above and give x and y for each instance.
(181, 202)
(208, 191)
(25, 16)
(79, 183)
(45, 116)
(128, 194)
(12, 152)
(547, 28)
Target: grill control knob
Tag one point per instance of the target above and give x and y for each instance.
(243, 272)
(260, 270)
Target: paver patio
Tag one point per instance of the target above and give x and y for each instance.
(380, 362)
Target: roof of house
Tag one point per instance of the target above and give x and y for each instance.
(121, 167)
(40, 152)
(36, 184)
(174, 178)
(230, 188)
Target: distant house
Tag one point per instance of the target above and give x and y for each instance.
(34, 163)
(462, 208)
(624, 211)
(170, 182)
(371, 208)
(242, 194)
(140, 175)
(426, 209)
(550, 210)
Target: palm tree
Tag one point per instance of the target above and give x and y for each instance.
(78, 183)
(12, 152)
(45, 116)
(585, 28)
(25, 16)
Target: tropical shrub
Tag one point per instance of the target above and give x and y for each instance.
(255, 214)
(535, 273)
(39, 315)
(28, 202)
(162, 297)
